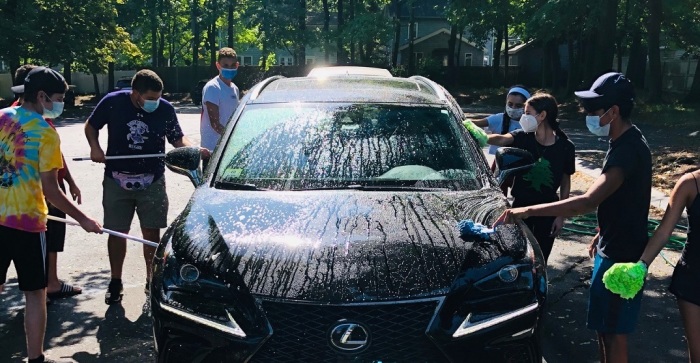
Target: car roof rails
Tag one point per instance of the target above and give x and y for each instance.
(264, 83)
(436, 88)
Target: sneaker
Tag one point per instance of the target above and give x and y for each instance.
(114, 292)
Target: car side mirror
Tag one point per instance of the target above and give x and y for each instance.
(512, 161)
(185, 161)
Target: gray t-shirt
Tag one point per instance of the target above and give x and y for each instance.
(222, 95)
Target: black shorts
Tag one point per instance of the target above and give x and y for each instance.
(685, 281)
(56, 231)
(28, 252)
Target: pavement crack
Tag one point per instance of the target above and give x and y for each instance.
(563, 295)
(569, 269)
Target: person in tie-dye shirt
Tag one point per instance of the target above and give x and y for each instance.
(30, 158)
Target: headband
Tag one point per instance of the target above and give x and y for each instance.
(520, 90)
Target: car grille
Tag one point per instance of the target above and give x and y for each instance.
(301, 332)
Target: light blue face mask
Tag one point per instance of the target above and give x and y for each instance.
(229, 73)
(593, 124)
(150, 105)
(55, 111)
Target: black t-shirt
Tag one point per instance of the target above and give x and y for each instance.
(133, 131)
(540, 184)
(622, 217)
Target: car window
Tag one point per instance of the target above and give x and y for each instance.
(304, 146)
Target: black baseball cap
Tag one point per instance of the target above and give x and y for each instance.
(42, 79)
(612, 88)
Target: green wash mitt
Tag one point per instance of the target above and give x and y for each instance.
(625, 279)
(476, 131)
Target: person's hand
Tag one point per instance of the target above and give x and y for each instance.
(593, 247)
(97, 155)
(75, 193)
(91, 225)
(557, 226)
(509, 216)
(204, 153)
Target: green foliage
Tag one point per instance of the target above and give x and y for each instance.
(540, 175)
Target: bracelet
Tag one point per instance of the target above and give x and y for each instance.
(646, 265)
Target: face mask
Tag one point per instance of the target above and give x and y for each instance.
(514, 113)
(55, 111)
(229, 73)
(593, 124)
(528, 123)
(150, 105)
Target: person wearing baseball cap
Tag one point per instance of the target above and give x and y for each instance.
(30, 157)
(621, 195)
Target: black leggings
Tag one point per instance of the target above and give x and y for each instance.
(541, 227)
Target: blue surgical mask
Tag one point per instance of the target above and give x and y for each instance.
(229, 73)
(593, 124)
(55, 111)
(150, 105)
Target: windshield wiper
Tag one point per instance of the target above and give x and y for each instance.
(383, 188)
(236, 186)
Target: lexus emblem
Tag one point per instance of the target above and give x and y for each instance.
(349, 337)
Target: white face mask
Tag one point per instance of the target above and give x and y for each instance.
(514, 113)
(55, 111)
(528, 123)
(593, 124)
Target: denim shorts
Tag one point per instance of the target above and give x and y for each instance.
(608, 313)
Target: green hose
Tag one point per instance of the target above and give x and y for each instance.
(587, 224)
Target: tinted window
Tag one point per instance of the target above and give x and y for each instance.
(302, 146)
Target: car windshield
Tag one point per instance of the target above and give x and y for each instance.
(353, 146)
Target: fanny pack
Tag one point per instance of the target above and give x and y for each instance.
(133, 182)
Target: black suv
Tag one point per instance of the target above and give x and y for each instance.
(325, 229)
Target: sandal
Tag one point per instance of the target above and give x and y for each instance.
(65, 291)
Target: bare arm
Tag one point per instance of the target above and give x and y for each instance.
(213, 112)
(606, 184)
(680, 197)
(72, 186)
(92, 135)
(501, 140)
(50, 189)
(565, 187)
(481, 123)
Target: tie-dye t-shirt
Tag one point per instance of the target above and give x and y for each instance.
(28, 146)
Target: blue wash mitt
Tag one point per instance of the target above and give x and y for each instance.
(468, 227)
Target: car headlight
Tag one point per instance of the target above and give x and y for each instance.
(194, 295)
(474, 323)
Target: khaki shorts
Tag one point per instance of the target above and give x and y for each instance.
(150, 204)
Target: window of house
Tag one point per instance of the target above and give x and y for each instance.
(286, 61)
(468, 59)
(247, 60)
(310, 60)
(418, 56)
(415, 30)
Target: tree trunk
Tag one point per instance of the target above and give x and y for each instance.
(653, 40)
(693, 97)
(212, 34)
(506, 56)
(67, 73)
(230, 23)
(301, 40)
(96, 84)
(326, 32)
(351, 14)
(341, 54)
(571, 75)
(153, 19)
(621, 37)
(411, 30)
(451, 44)
(637, 62)
(605, 44)
(195, 36)
(496, 66)
(110, 76)
(397, 33)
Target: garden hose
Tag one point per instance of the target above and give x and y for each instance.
(587, 224)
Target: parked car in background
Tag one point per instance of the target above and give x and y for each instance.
(196, 93)
(324, 229)
(122, 84)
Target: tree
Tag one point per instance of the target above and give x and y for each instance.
(685, 29)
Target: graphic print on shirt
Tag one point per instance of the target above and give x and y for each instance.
(539, 175)
(11, 147)
(136, 131)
